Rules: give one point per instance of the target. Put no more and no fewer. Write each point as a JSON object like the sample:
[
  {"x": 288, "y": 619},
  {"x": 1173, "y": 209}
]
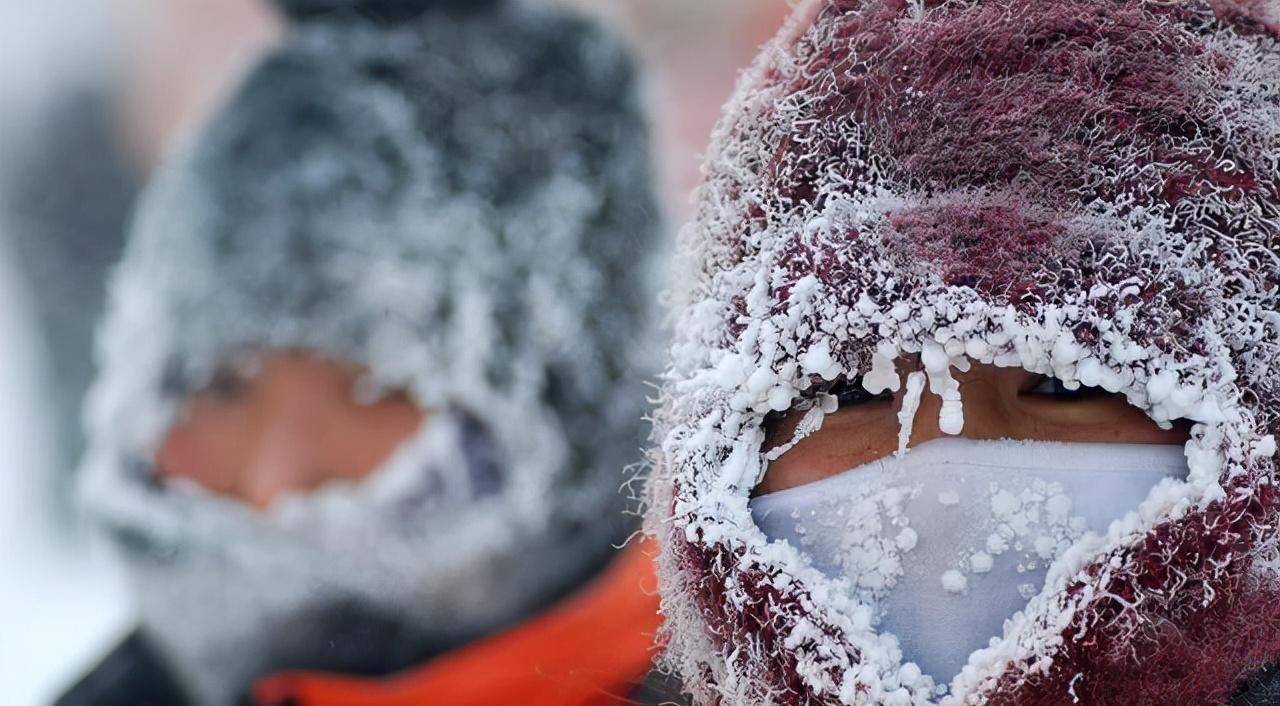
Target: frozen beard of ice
[{"x": 951, "y": 539}]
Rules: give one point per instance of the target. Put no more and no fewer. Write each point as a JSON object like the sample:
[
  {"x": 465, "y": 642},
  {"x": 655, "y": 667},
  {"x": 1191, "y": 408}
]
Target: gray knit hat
[{"x": 456, "y": 195}]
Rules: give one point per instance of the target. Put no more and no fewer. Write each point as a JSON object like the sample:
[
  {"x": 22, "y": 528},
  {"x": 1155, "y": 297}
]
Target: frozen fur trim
[{"x": 1087, "y": 189}]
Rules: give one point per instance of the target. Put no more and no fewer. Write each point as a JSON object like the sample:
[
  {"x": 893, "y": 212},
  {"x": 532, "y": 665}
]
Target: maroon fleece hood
[{"x": 1088, "y": 189}]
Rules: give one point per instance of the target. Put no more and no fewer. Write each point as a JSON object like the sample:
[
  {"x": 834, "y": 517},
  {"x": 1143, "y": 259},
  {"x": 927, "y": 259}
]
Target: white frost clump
[
  {"x": 907, "y": 539},
  {"x": 883, "y": 376},
  {"x": 1035, "y": 521},
  {"x": 867, "y": 534},
  {"x": 954, "y": 581}
]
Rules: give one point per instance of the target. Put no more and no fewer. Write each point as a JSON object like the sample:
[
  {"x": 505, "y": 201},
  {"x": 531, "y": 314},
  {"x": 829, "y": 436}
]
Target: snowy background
[
  {"x": 165, "y": 63},
  {"x": 60, "y": 602}
]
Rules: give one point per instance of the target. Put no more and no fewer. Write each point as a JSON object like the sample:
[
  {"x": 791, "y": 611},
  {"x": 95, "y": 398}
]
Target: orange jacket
[{"x": 591, "y": 649}]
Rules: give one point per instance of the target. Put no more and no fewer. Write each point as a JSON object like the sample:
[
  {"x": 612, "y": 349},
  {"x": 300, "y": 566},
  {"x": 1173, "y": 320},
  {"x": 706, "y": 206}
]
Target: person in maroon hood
[{"x": 975, "y": 384}]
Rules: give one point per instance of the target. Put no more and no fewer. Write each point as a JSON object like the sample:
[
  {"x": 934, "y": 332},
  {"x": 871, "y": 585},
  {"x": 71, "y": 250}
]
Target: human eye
[
  {"x": 848, "y": 394},
  {"x": 1049, "y": 386},
  {"x": 851, "y": 393},
  {"x": 227, "y": 383}
]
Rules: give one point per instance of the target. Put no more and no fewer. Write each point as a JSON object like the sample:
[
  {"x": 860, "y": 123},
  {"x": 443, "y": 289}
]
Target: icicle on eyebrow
[
  {"x": 810, "y": 423},
  {"x": 907, "y": 415},
  {"x": 883, "y": 376},
  {"x": 937, "y": 365}
]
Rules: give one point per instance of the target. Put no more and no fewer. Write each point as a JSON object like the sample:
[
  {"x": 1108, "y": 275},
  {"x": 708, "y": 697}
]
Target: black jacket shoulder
[
  {"x": 1261, "y": 689},
  {"x": 132, "y": 674},
  {"x": 659, "y": 689}
]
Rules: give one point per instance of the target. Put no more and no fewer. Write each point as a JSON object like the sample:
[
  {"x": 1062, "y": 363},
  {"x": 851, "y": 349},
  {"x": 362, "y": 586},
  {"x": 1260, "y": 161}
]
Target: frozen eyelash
[
  {"x": 1054, "y": 387},
  {"x": 850, "y": 393}
]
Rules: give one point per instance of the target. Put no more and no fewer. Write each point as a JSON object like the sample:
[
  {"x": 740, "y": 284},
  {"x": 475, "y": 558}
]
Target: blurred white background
[{"x": 59, "y": 603}]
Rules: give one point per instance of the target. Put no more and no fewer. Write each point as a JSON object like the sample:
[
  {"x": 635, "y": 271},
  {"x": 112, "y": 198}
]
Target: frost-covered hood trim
[{"x": 866, "y": 197}]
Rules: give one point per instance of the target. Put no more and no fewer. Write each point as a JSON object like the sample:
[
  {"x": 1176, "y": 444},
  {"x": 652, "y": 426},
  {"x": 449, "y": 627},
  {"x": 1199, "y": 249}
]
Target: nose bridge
[
  {"x": 989, "y": 395},
  {"x": 282, "y": 457}
]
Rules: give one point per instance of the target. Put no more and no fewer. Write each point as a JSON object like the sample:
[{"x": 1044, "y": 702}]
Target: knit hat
[
  {"x": 1088, "y": 189},
  {"x": 455, "y": 196}
]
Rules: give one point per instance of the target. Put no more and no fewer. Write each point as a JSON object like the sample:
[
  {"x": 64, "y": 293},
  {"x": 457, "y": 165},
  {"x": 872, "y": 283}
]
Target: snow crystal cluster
[
  {"x": 871, "y": 195},
  {"x": 946, "y": 543},
  {"x": 873, "y": 531},
  {"x": 872, "y": 535}
]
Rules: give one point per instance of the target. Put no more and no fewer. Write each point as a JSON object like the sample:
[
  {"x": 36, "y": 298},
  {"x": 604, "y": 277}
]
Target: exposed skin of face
[
  {"x": 999, "y": 403},
  {"x": 291, "y": 425}
]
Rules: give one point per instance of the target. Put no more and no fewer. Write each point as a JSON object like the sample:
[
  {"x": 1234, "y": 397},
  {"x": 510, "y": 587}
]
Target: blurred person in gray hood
[{"x": 372, "y": 363}]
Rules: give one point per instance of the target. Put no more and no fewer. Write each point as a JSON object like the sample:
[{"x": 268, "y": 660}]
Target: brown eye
[
  {"x": 1049, "y": 386},
  {"x": 227, "y": 384},
  {"x": 852, "y": 393}
]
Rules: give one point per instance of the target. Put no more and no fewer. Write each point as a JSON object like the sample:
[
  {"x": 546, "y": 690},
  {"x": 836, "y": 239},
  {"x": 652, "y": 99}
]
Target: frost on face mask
[
  {"x": 457, "y": 199},
  {"x": 951, "y": 540},
  {"x": 873, "y": 193}
]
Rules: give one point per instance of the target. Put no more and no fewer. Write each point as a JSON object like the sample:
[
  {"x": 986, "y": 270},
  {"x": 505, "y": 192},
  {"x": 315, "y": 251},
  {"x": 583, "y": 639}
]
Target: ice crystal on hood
[{"x": 954, "y": 581}]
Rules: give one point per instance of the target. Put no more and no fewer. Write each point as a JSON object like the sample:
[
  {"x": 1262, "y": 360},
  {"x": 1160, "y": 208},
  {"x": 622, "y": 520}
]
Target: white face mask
[{"x": 952, "y": 539}]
